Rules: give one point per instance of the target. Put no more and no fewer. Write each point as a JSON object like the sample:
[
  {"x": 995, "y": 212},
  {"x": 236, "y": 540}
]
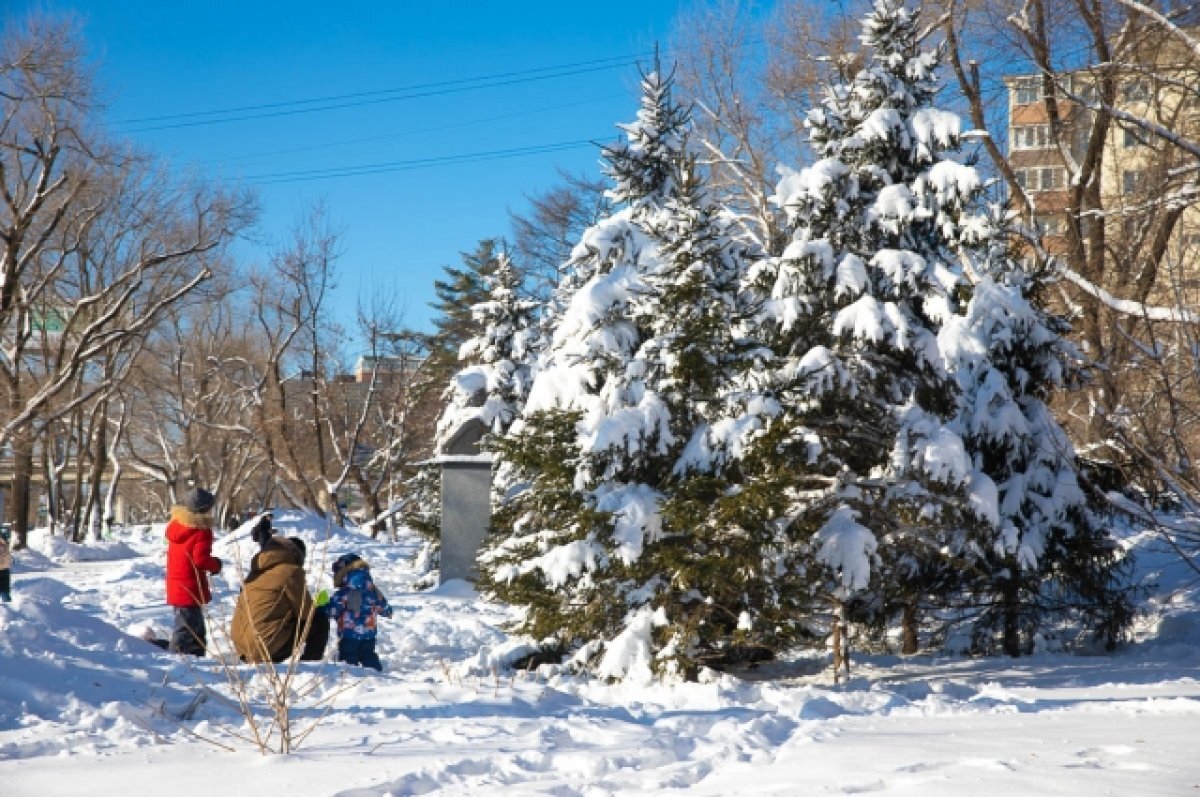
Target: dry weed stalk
[{"x": 283, "y": 689}]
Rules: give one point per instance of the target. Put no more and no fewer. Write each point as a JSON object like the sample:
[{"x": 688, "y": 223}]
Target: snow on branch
[
  {"x": 1127, "y": 306},
  {"x": 1141, "y": 8}
]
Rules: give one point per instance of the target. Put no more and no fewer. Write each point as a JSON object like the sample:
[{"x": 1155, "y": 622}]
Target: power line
[
  {"x": 354, "y": 95},
  {"x": 358, "y": 99},
  {"x": 417, "y": 163},
  {"x": 414, "y": 131}
]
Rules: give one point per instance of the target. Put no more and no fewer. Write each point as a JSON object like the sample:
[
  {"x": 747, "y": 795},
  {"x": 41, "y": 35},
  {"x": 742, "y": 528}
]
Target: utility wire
[
  {"x": 414, "y": 131},
  {"x": 270, "y": 110},
  {"x": 417, "y": 163},
  {"x": 355, "y": 95}
]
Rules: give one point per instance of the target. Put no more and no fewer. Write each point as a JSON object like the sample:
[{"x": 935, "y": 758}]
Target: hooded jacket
[
  {"x": 358, "y": 603},
  {"x": 189, "y": 558},
  {"x": 274, "y": 606}
]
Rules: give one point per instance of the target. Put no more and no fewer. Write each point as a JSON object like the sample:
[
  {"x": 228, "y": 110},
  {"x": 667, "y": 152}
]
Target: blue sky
[{"x": 162, "y": 65}]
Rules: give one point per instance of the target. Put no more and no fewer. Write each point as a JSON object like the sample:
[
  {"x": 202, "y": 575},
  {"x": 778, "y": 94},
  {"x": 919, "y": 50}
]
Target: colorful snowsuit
[{"x": 355, "y": 607}]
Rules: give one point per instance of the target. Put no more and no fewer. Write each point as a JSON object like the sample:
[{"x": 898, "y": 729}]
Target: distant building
[
  {"x": 1160, "y": 85},
  {"x": 388, "y": 368},
  {"x": 1132, "y": 230}
]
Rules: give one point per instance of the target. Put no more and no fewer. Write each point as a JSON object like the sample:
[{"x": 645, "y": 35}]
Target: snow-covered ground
[{"x": 87, "y": 707}]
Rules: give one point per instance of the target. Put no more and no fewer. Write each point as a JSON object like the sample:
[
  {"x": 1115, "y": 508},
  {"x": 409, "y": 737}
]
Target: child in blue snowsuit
[{"x": 354, "y": 608}]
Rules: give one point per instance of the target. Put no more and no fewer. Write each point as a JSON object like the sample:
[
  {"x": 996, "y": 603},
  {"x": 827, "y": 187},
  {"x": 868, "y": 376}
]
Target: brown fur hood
[
  {"x": 274, "y": 607},
  {"x": 339, "y": 577},
  {"x": 277, "y": 551},
  {"x": 195, "y": 520}
]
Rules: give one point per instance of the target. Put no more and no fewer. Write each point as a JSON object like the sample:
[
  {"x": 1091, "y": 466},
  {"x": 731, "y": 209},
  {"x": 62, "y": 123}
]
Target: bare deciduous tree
[
  {"x": 1116, "y": 82},
  {"x": 545, "y": 234},
  {"x": 95, "y": 243},
  {"x": 190, "y": 420},
  {"x": 291, "y": 305},
  {"x": 752, "y": 81}
]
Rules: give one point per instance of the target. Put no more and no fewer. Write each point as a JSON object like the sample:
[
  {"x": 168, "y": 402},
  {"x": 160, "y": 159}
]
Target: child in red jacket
[
  {"x": 189, "y": 562},
  {"x": 5, "y": 565}
]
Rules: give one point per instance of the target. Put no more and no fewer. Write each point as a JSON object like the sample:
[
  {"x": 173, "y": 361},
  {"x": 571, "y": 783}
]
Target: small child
[
  {"x": 354, "y": 607},
  {"x": 5, "y": 567},
  {"x": 189, "y": 563}
]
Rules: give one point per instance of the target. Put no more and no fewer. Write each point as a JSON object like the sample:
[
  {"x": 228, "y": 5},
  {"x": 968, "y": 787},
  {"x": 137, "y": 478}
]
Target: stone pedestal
[
  {"x": 466, "y": 502},
  {"x": 466, "y": 513}
]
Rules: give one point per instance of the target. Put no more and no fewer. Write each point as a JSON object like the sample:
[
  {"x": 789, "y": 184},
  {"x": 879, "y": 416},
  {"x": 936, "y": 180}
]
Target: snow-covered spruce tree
[
  {"x": 492, "y": 384},
  {"x": 457, "y": 294},
  {"x": 1051, "y": 563},
  {"x": 424, "y": 515},
  {"x": 878, "y": 481},
  {"x": 490, "y": 387},
  {"x": 708, "y": 567},
  {"x": 458, "y": 291},
  {"x": 614, "y": 546}
]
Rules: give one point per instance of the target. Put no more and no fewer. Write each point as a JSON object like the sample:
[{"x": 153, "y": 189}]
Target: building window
[
  {"x": 1051, "y": 178},
  {"x": 1042, "y": 178},
  {"x": 1133, "y": 138},
  {"x": 1135, "y": 91},
  {"x": 1132, "y": 181},
  {"x": 1052, "y": 225},
  {"x": 1028, "y": 91},
  {"x": 1031, "y": 137}
]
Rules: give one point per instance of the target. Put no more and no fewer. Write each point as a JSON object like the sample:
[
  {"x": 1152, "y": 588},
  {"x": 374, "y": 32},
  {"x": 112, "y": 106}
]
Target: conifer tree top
[
  {"x": 637, "y": 165},
  {"x": 899, "y": 81}
]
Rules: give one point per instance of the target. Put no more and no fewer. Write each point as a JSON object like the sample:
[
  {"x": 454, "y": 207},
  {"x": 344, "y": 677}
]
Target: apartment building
[
  {"x": 1116, "y": 197},
  {"x": 1142, "y": 186}
]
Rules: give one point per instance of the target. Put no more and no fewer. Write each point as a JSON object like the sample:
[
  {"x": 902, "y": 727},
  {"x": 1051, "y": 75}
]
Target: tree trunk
[
  {"x": 327, "y": 505},
  {"x": 96, "y": 476},
  {"x": 18, "y": 505},
  {"x": 110, "y": 499},
  {"x": 909, "y": 625},
  {"x": 75, "y": 530},
  {"x": 51, "y": 485},
  {"x": 841, "y": 644},
  {"x": 1012, "y": 627},
  {"x": 374, "y": 510}
]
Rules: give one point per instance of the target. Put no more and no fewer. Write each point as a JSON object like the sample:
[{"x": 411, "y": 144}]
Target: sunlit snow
[{"x": 88, "y": 707}]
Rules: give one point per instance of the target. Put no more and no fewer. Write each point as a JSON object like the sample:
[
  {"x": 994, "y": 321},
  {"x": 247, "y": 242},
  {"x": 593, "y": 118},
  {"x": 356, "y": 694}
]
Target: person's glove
[
  {"x": 261, "y": 533},
  {"x": 322, "y": 598}
]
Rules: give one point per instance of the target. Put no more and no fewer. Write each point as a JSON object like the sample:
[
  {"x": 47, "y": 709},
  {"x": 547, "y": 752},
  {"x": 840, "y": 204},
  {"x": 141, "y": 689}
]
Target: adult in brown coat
[{"x": 275, "y": 613}]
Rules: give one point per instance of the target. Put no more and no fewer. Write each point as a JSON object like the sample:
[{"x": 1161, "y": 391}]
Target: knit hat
[{"x": 198, "y": 500}]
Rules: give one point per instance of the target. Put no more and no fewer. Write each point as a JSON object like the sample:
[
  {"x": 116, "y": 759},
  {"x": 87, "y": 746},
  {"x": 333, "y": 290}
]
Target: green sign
[{"x": 50, "y": 320}]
